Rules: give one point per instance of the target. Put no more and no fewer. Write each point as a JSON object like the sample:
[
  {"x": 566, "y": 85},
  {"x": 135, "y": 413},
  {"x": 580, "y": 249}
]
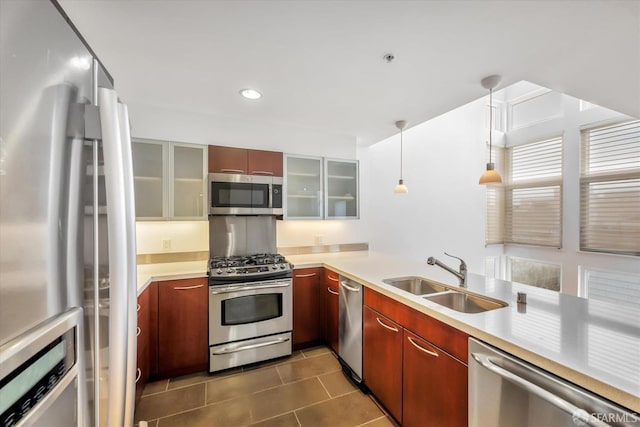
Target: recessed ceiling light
[{"x": 250, "y": 94}]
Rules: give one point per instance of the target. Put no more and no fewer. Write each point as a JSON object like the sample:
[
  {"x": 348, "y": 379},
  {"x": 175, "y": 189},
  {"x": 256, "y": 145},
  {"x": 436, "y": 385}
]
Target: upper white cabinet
[
  {"x": 170, "y": 180},
  {"x": 319, "y": 188},
  {"x": 341, "y": 184}
]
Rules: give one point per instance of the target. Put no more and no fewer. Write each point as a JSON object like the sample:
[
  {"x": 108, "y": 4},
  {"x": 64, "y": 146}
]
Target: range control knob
[
  {"x": 282, "y": 266},
  {"x": 229, "y": 270},
  {"x": 219, "y": 271}
]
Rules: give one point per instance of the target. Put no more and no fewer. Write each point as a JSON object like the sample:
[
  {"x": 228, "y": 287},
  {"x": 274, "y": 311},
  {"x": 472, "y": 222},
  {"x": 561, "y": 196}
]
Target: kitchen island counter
[{"x": 593, "y": 344}]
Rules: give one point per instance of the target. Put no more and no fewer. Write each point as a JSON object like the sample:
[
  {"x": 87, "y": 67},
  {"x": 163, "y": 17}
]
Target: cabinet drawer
[
  {"x": 331, "y": 279},
  {"x": 446, "y": 337}
]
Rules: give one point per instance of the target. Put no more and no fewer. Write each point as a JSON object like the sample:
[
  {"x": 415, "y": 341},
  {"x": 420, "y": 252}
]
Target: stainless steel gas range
[{"x": 250, "y": 309}]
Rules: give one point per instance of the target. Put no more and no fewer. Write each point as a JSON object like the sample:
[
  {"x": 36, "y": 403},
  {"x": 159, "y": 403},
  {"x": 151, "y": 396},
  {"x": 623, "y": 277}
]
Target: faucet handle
[{"x": 462, "y": 263}]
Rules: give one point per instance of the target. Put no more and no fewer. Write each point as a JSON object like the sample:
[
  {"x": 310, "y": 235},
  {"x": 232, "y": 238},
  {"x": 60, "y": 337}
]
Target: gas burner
[{"x": 248, "y": 267}]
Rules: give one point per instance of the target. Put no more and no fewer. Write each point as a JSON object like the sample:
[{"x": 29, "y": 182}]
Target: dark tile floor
[{"x": 306, "y": 389}]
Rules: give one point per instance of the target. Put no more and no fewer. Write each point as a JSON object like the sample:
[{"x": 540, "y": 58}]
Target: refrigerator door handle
[{"x": 118, "y": 175}]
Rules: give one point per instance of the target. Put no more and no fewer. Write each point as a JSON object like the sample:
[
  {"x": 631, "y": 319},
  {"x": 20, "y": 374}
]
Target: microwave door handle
[
  {"x": 553, "y": 399},
  {"x": 231, "y": 289}
]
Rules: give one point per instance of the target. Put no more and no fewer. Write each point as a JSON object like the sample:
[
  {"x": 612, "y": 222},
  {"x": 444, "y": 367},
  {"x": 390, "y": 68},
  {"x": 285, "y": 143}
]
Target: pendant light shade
[
  {"x": 490, "y": 176},
  {"x": 401, "y": 188}
]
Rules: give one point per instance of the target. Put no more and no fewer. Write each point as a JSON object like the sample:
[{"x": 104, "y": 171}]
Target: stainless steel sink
[
  {"x": 465, "y": 303},
  {"x": 416, "y": 285}
]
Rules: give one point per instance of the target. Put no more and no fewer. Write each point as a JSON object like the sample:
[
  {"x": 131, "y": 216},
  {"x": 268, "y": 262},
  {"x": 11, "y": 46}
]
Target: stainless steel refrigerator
[{"x": 67, "y": 228}]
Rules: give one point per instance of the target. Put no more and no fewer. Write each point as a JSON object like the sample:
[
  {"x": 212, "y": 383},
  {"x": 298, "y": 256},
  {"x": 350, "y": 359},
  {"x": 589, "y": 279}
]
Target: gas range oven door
[{"x": 249, "y": 310}]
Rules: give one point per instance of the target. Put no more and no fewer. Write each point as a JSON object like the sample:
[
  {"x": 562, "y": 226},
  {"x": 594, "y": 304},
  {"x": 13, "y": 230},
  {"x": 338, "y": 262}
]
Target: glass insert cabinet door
[
  {"x": 341, "y": 188},
  {"x": 189, "y": 183},
  {"x": 149, "y": 170},
  {"x": 303, "y": 186}
]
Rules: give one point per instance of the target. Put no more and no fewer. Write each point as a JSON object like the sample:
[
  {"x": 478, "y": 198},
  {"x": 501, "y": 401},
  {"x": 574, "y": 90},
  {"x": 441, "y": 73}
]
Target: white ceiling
[{"x": 320, "y": 67}]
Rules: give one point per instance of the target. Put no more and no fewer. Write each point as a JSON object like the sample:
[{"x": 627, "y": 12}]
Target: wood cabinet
[
  {"x": 433, "y": 370},
  {"x": 306, "y": 307},
  {"x": 146, "y": 331},
  {"x": 331, "y": 307},
  {"x": 434, "y": 385},
  {"x": 169, "y": 180},
  {"x": 243, "y": 161},
  {"x": 182, "y": 327},
  {"x": 382, "y": 360}
]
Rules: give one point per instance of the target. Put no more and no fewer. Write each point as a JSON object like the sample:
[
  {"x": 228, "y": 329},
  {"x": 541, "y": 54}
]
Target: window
[
  {"x": 610, "y": 189},
  {"x": 622, "y": 289},
  {"x": 527, "y": 209},
  {"x": 535, "y": 273}
]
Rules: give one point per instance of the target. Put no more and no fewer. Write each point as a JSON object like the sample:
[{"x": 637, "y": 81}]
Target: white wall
[{"x": 445, "y": 207}]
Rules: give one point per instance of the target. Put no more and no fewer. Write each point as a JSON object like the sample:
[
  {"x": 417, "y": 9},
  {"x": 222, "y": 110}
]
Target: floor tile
[
  {"x": 351, "y": 409},
  {"x": 315, "y": 351},
  {"x": 170, "y": 402},
  {"x": 200, "y": 377},
  {"x": 285, "y": 398},
  {"x": 337, "y": 383},
  {"x": 229, "y": 413},
  {"x": 380, "y": 422},
  {"x": 286, "y": 420},
  {"x": 155, "y": 387},
  {"x": 296, "y": 355},
  {"x": 307, "y": 368},
  {"x": 238, "y": 385}
]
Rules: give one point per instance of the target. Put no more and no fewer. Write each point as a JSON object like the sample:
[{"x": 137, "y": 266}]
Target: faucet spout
[{"x": 461, "y": 275}]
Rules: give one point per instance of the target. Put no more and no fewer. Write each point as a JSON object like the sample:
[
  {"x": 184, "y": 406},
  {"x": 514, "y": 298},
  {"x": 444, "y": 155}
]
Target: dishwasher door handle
[
  {"x": 555, "y": 400},
  {"x": 348, "y": 287}
]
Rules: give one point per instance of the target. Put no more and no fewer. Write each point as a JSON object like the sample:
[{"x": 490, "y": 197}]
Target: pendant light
[
  {"x": 401, "y": 188},
  {"x": 490, "y": 176}
]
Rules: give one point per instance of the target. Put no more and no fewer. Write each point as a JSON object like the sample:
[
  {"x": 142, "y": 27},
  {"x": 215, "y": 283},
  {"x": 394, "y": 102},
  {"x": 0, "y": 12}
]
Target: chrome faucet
[{"x": 462, "y": 275}]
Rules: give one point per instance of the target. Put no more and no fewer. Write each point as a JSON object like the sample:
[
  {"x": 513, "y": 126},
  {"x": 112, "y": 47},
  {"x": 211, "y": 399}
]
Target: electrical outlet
[{"x": 166, "y": 244}]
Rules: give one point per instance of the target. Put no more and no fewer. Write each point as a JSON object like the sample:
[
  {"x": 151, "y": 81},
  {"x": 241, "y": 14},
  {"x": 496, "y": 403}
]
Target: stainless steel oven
[
  {"x": 233, "y": 194},
  {"x": 250, "y": 310}
]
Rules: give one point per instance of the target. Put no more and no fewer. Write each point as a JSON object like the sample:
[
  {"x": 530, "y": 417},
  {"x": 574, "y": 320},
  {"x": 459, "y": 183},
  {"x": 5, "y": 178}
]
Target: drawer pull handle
[
  {"x": 186, "y": 288},
  {"x": 387, "y": 326},
  {"x": 138, "y": 307},
  {"x": 232, "y": 170},
  {"x": 138, "y": 374},
  {"x": 138, "y": 331},
  {"x": 261, "y": 173},
  {"x": 335, "y": 279},
  {"x": 432, "y": 353},
  {"x": 331, "y": 291},
  {"x": 306, "y": 275}
]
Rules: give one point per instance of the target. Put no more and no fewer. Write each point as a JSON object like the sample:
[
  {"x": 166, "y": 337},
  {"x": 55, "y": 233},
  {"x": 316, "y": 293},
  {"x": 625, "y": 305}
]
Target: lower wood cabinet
[
  {"x": 307, "y": 320},
  {"x": 331, "y": 307},
  {"x": 146, "y": 332},
  {"x": 382, "y": 360},
  {"x": 434, "y": 385},
  {"x": 182, "y": 327}
]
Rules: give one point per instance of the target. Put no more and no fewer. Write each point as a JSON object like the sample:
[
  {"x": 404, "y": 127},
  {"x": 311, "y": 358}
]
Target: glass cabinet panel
[
  {"x": 189, "y": 183},
  {"x": 341, "y": 186},
  {"x": 303, "y": 183},
  {"x": 148, "y": 178}
]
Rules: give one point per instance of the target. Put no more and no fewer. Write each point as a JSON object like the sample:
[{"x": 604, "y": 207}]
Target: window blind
[
  {"x": 533, "y": 194},
  {"x": 610, "y": 189},
  {"x": 494, "y": 232}
]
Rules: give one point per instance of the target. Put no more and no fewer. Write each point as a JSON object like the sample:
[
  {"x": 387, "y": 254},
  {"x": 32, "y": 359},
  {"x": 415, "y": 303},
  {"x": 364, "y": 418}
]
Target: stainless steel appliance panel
[
  {"x": 240, "y": 353},
  {"x": 234, "y": 194},
  {"x": 350, "y": 325},
  {"x": 231, "y": 235},
  {"x": 505, "y": 391},
  {"x": 248, "y": 319}
]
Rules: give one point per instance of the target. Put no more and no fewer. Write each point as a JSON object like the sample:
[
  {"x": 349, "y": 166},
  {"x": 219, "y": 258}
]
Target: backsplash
[{"x": 154, "y": 237}]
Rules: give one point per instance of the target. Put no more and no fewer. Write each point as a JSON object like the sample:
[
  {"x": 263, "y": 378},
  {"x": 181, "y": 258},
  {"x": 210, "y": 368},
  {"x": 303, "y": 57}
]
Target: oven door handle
[
  {"x": 231, "y": 349},
  {"x": 231, "y": 289}
]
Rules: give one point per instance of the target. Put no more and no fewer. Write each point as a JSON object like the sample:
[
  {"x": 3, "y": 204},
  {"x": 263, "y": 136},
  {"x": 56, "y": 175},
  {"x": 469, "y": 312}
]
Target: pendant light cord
[
  {"x": 490, "y": 120},
  {"x": 400, "y": 153}
]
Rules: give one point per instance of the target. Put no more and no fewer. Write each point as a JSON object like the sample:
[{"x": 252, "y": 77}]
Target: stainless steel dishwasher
[
  {"x": 350, "y": 328},
  {"x": 505, "y": 391}
]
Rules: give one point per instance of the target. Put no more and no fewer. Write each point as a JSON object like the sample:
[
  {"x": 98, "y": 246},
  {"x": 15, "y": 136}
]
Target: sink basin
[
  {"x": 465, "y": 303},
  {"x": 416, "y": 285}
]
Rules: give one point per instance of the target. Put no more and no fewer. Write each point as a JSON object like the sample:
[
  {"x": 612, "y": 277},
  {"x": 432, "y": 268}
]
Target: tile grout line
[
  {"x": 297, "y": 419},
  {"x": 324, "y": 387},
  {"x": 370, "y": 421}
]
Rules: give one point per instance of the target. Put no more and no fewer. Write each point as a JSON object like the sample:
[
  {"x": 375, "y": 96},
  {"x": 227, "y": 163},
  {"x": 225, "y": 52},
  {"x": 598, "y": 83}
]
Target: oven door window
[
  {"x": 231, "y": 195},
  {"x": 260, "y": 195},
  {"x": 251, "y": 309}
]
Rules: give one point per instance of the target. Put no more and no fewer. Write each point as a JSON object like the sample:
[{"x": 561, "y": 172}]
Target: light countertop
[{"x": 590, "y": 343}]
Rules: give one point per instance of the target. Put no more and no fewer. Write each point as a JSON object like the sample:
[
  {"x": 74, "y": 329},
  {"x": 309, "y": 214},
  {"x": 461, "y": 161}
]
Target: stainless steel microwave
[{"x": 233, "y": 194}]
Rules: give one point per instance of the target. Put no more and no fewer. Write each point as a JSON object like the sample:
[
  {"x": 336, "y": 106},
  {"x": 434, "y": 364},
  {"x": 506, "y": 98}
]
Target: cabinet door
[
  {"x": 142, "y": 333},
  {"x": 382, "y": 360},
  {"x": 341, "y": 188},
  {"x": 303, "y": 187},
  {"x": 150, "y": 163},
  {"x": 267, "y": 163},
  {"x": 182, "y": 326},
  {"x": 434, "y": 385},
  {"x": 306, "y": 307},
  {"x": 227, "y": 160},
  {"x": 189, "y": 183},
  {"x": 331, "y": 304}
]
